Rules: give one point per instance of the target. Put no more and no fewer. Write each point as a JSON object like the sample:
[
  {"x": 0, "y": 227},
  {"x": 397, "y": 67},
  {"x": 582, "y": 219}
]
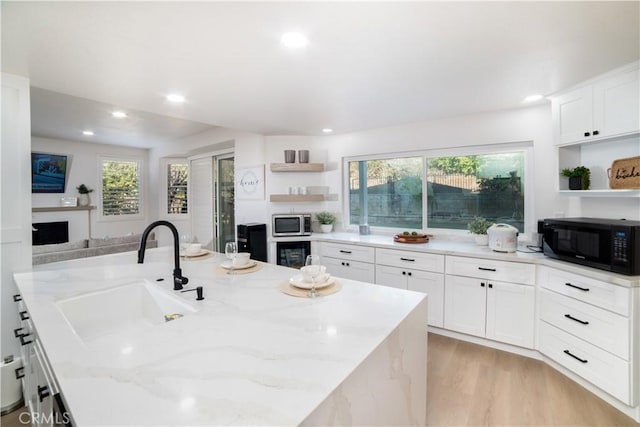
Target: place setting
[
  {"x": 313, "y": 281},
  {"x": 189, "y": 250},
  {"x": 237, "y": 262}
]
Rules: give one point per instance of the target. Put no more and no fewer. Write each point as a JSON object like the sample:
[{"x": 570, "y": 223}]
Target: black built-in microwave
[{"x": 606, "y": 244}]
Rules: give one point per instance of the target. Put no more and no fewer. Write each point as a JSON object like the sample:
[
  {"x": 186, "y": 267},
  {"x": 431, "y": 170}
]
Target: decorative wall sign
[{"x": 250, "y": 183}]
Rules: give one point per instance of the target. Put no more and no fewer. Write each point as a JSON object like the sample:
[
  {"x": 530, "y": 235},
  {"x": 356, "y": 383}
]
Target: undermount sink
[{"x": 129, "y": 308}]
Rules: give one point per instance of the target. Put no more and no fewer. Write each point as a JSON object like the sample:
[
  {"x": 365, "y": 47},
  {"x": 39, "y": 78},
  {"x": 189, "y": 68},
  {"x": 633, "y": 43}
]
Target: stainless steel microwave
[
  {"x": 291, "y": 225},
  {"x": 606, "y": 244}
]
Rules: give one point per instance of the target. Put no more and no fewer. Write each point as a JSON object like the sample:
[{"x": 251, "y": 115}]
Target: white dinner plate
[
  {"x": 298, "y": 282},
  {"x": 227, "y": 265},
  {"x": 196, "y": 254}
]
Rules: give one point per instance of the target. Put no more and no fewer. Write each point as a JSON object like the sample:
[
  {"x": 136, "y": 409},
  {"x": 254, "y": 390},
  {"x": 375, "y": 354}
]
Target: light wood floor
[{"x": 472, "y": 385}]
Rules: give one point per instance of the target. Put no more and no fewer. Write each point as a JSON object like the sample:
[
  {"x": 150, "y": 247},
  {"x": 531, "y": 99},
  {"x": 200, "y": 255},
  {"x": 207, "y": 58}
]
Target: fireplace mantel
[{"x": 63, "y": 208}]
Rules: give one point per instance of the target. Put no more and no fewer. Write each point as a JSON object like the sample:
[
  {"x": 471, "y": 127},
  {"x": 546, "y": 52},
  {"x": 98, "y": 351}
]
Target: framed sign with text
[{"x": 250, "y": 183}]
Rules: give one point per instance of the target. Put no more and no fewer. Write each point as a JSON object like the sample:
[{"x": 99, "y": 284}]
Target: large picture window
[
  {"x": 439, "y": 189},
  {"x": 121, "y": 188}
]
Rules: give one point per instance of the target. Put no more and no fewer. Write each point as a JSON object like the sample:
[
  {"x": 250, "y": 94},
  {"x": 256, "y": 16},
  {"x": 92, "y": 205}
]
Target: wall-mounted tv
[{"x": 49, "y": 172}]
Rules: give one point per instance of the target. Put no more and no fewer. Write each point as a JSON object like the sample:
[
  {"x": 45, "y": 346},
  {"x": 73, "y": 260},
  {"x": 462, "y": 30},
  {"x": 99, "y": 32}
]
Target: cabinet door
[
  {"x": 348, "y": 269},
  {"x": 465, "y": 301},
  {"x": 572, "y": 115},
  {"x": 433, "y": 285},
  {"x": 616, "y": 105},
  {"x": 391, "y": 276},
  {"x": 510, "y": 313}
]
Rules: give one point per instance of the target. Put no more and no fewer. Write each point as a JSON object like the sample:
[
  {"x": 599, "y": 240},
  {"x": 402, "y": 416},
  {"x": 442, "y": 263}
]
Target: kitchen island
[{"x": 247, "y": 354}]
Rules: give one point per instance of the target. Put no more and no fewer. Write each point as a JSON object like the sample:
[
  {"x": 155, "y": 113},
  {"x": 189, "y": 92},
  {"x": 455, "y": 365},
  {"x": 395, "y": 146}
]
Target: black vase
[{"x": 575, "y": 183}]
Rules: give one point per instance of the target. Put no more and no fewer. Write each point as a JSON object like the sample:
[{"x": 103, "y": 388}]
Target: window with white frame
[
  {"x": 121, "y": 189},
  {"x": 440, "y": 189},
  {"x": 177, "y": 186}
]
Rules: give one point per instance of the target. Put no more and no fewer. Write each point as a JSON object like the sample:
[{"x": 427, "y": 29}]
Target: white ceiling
[{"x": 367, "y": 65}]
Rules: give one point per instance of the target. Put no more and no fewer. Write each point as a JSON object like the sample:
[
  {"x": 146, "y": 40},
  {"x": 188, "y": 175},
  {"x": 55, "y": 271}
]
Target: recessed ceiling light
[
  {"x": 327, "y": 130},
  {"x": 293, "y": 39},
  {"x": 175, "y": 97},
  {"x": 533, "y": 98},
  {"x": 119, "y": 114},
  {"x": 88, "y": 132}
]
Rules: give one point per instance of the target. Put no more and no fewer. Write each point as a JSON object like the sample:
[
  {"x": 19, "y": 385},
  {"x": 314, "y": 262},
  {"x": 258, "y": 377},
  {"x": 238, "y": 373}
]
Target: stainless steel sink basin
[{"x": 123, "y": 309}]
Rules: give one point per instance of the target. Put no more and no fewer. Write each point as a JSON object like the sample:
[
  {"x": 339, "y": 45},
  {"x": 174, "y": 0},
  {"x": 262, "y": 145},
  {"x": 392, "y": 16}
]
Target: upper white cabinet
[{"x": 606, "y": 108}]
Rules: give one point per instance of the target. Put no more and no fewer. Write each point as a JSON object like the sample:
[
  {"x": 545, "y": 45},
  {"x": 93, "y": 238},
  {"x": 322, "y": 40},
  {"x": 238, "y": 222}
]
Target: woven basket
[{"x": 625, "y": 173}]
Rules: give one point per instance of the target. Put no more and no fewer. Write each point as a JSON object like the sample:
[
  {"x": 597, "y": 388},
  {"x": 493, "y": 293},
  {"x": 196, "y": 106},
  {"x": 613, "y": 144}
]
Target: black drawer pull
[
  {"x": 576, "y": 287},
  {"x": 43, "y": 392},
  {"x": 344, "y": 252},
  {"x": 595, "y": 132},
  {"x": 17, "y": 333},
  {"x": 568, "y": 316},
  {"x": 491, "y": 285},
  {"x": 486, "y": 269},
  {"x": 17, "y": 298},
  {"x": 482, "y": 284},
  {"x": 24, "y": 315},
  {"x": 19, "y": 372},
  {"x": 409, "y": 273},
  {"x": 575, "y": 357},
  {"x": 404, "y": 272},
  {"x": 587, "y": 134},
  {"x": 23, "y": 339},
  {"x": 408, "y": 259}
]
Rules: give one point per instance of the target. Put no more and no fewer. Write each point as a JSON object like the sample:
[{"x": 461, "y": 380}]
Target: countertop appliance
[
  {"x": 606, "y": 244},
  {"x": 252, "y": 238},
  {"x": 503, "y": 238},
  {"x": 283, "y": 225}
]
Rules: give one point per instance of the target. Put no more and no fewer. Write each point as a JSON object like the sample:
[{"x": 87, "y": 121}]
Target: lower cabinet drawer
[
  {"x": 602, "y": 369},
  {"x": 414, "y": 260},
  {"x": 348, "y": 252},
  {"x": 602, "y": 328}
]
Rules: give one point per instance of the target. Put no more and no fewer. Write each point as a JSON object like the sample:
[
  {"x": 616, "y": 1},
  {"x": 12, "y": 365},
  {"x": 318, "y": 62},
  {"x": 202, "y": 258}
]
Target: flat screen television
[{"x": 49, "y": 172}]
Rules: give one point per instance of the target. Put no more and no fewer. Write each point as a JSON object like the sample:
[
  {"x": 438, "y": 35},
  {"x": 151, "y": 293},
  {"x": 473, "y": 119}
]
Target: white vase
[
  {"x": 326, "y": 228},
  {"x": 482, "y": 239},
  {"x": 84, "y": 200}
]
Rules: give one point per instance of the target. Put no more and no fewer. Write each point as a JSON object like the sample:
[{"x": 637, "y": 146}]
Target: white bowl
[
  {"x": 309, "y": 271},
  {"x": 194, "y": 248},
  {"x": 241, "y": 258}
]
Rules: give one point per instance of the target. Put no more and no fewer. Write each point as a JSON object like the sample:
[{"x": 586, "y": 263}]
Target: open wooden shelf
[
  {"x": 601, "y": 193},
  {"x": 297, "y": 167},
  {"x": 63, "y": 208},
  {"x": 296, "y": 198}
]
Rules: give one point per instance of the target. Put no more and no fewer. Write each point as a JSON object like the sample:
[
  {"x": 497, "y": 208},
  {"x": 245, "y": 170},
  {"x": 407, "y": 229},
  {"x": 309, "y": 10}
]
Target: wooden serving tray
[
  {"x": 420, "y": 238},
  {"x": 625, "y": 173}
]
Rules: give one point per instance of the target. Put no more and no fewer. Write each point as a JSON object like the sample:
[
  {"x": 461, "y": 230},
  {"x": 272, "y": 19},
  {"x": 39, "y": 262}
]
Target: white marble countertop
[
  {"x": 251, "y": 355},
  {"x": 462, "y": 247}
]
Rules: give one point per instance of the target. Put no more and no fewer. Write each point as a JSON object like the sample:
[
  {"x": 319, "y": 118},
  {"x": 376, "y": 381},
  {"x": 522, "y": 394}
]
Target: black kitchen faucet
[{"x": 178, "y": 278}]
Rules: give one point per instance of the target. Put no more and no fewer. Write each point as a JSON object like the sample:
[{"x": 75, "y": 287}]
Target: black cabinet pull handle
[
  {"x": 17, "y": 333},
  {"x": 482, "y": 284},
  {"x": 43, "y": 392},
  {"x": 584, "y": 322},
  {"x": 595, "y": 132},
  {"x": 407, "y": 259},
  {"x": 344, "y": 252},
  {"x": 342, "y": 263},
  {"x": 348, "y": 264},
  {"x": 576, "y": 287},
  {"x": 491, "y": 285},
  {"x": 587, "y": 134},
  {"x": 409, "y": 273},
  {"x": 404, "y": 272},
  {"x": 575, "y": 357},
  {"x": 24, "y": 315},
  {"x": 23, "y": 339},
  {"x": 19, "y": 372},
  {"x": 17, "y": 298},
  {"x": 486, "y": 269}
]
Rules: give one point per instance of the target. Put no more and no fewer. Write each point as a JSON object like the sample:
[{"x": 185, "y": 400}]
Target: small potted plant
[
  {"x": 326, "y": 220},
  {"x": 579, "y": 178},
  {"x": 479, "y": 226},
  {"x": 84, "y": 199}
]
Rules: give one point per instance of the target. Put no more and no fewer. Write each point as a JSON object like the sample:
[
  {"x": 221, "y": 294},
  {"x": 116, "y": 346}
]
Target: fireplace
[{"x": 45, "y": 233}]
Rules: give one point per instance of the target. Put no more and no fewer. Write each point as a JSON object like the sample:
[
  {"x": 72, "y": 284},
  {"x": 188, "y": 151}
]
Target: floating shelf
[
  {"x": 601, "y": 193},
  {"x": 297, "y": 167},
  {"x": 63, "y": 208},
  {"x": 297, "y": 198}
]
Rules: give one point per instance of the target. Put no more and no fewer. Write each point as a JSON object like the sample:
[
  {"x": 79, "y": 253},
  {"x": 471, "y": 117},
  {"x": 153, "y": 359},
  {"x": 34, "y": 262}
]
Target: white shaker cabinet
[
  {"x": 490, "y": 299},
  {"x": 349, "y": 261},
  {"x": 605, "y": 108},
  {"x": 415, "y": 271}
]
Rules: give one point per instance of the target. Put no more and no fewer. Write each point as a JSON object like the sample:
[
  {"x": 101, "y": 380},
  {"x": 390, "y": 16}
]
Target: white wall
[{"x": 84, "y": 170}]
